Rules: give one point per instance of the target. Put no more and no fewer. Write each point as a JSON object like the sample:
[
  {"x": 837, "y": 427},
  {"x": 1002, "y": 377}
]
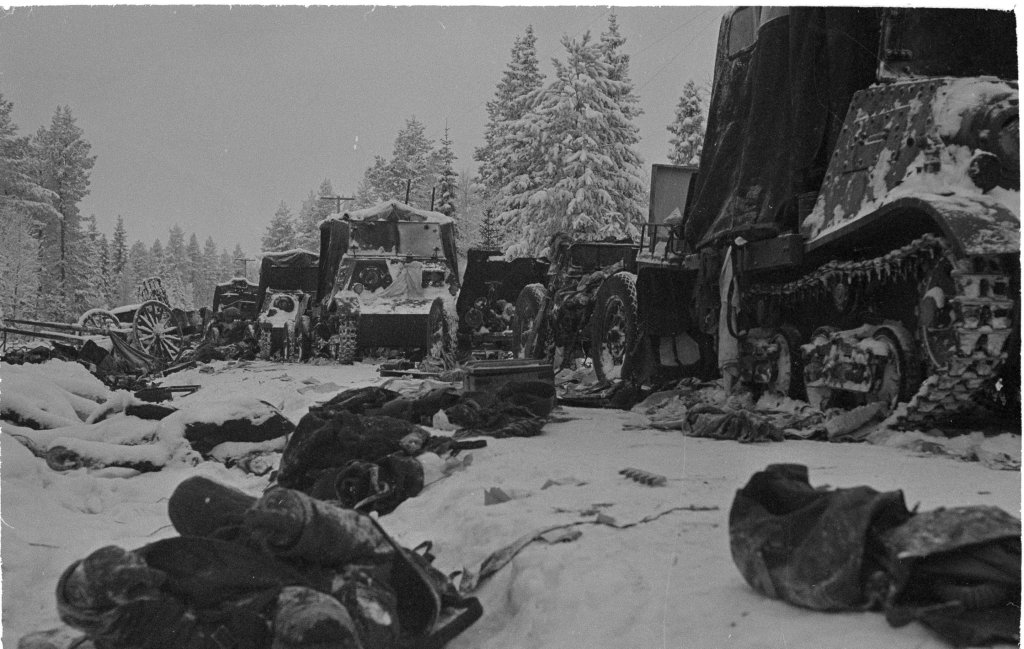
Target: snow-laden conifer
[
  {"x": 280, "y": 233},
  {"x": 20, "y": 192},
  {"x": 408, "y": 176},
  {"x": 521, "y": 77},
  {"x": 20, "y": 270},
  {"x": 583, "y": 175},
  {"x": 447, "y": 183},
  {"x": 687, "y": 129}
]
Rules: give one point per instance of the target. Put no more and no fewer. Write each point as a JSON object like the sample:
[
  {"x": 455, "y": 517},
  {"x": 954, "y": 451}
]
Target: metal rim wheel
[
  {"x": 789, "y": 372},
  {"x": 614, "y": 325},
  {"x": 935, "y": 315},
  {"x": 819, "y": 397},
  {"x": 100, "y": 319},
  {"x": 528, "y": 306},
  {"x": 901, "y": 376},
  {"x": 156, "y": 331}
]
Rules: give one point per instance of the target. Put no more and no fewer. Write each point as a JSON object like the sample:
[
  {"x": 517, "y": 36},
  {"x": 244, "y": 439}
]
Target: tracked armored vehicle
[
  {"x": 852, "y": 234},
  {"x": 387, "y": 279}
]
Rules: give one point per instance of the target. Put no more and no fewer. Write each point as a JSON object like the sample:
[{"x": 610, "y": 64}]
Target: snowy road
[{"x": 666, "y": 583}]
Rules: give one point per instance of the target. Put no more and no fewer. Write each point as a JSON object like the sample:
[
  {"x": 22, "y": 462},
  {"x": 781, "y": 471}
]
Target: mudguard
[{"x": 973, "y": 225}]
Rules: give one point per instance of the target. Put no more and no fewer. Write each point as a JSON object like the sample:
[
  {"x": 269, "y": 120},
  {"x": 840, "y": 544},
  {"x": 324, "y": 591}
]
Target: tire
[
  {"x": 528, "y": 306},
  {"x": 789, "y": 376},
  {"x": 613, "y": 326}
]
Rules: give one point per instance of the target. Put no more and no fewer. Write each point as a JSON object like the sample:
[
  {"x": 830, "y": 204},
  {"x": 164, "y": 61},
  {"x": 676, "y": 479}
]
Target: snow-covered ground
[{"x": 668, "y": 582}]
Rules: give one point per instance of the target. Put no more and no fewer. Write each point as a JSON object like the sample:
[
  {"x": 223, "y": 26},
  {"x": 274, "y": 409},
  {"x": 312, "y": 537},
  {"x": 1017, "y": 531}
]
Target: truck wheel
[
  {"x": 528, "y": 305},
  {"x": 613, "y": 325}
]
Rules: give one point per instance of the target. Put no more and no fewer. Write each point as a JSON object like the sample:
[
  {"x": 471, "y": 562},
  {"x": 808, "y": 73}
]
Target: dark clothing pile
[
  {"x": 281, "y": 572},
  {"x": 515, "y": 409},
  {"x": 360, "y": 448},
  {"x": 955, "y": 570}
]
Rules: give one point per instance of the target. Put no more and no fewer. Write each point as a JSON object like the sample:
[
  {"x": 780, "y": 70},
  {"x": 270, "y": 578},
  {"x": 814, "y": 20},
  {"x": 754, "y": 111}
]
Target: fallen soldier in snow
[
  {"x": 516, "y": 409},
  {"x": 370, "y": 462},
  {"x": 68, "y": 417},
  {"x": 285, "y": 571},
  {"x": 955, "y": 570}
]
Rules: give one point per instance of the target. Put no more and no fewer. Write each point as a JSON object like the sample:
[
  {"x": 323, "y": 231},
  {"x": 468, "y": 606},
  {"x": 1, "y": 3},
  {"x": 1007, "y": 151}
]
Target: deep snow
[{"x": 669, "y": 582}]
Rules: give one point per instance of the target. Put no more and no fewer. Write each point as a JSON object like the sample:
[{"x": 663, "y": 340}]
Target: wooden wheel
[
  {"x": 157, "y": 332},
  {"x": 100, "y": 319}
]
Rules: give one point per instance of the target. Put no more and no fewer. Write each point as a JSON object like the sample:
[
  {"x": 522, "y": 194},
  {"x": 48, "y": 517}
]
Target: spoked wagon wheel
[
  {"x": 99, "y": 319},
  {"x": 157, "y": 332}
]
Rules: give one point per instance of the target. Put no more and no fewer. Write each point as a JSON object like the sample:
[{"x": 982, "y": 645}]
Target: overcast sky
[{"x": 210, "y": 116}]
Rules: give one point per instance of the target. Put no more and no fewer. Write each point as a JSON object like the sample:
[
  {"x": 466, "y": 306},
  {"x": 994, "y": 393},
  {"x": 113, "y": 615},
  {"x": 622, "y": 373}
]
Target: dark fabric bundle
[
  {"x": 325, "y": 443},
  {"x": 955, "y": 570}
]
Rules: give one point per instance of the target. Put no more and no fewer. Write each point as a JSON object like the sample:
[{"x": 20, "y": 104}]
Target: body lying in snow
[{"x": 280, "y": 572}]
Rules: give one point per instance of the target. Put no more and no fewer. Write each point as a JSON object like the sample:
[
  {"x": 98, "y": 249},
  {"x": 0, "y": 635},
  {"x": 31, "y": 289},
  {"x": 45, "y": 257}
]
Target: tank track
[{"x": 980, "y": 337}]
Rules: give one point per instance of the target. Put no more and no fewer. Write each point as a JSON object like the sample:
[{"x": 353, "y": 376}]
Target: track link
[{"x": 981, "y": 315}]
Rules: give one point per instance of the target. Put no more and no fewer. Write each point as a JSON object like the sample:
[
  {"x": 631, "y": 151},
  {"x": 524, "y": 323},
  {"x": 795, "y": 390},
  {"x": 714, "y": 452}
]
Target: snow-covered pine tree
[
  {"x": 20, "y": 193},
  {"x": 195, "y": 277},
  {"x": 522, "y": 76},
  {"x": 630, "y": 197},
  {"x": 62, "y": 166},
  {"x": 589, "y": 173},
  {"x": 490, "y": 231},
  {"x": 687, "y": 130},
  {"x": 469, "y": 205},
  {"x": 227, "y": 269},
  {"x": 373, "y": 183},
  {"x": 447, "y": 184},
  {"x": 157, "y": 260},
  {"x": 211, "y": 276},
  {"x": 176, "y": 258},
  {"x": 20, "y": 269},
  {"x": 94, "y": 288},
  {"x": 280, "y": 234},
  {"x": 118, "y": 247},
  {"x": 311, "y": 212},
  {"x": 137, "y": 268},
  {"x": 414, "y": 165}
]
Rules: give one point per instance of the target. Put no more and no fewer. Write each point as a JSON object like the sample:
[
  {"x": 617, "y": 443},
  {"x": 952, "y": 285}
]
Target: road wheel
[
  {"x": 528, "y": 306},
  {"x": 788, "y": 376},
  {"x": 902, "y": 375},
  {"x": 613, "y": 325}
]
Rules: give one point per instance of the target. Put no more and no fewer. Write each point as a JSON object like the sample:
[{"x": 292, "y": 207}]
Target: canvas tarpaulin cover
[
  {"x": 783, "y": 81},
  {"x": 291, "y": 270}
]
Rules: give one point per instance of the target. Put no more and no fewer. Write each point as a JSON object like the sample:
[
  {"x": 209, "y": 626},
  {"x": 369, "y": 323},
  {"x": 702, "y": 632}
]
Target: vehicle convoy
[
  {"x": 387, "y": 278},
  {"x": 852, "y": 234},
  {"x": 584, "y": 308}
]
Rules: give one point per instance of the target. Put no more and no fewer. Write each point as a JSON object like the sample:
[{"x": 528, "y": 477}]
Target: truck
[{"x": 852, "y": 233}]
